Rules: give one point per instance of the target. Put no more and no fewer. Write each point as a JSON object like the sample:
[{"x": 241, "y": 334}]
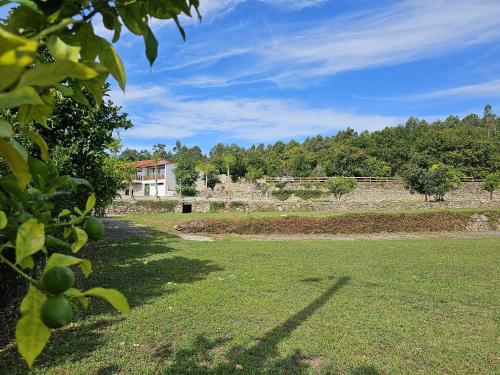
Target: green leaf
[
  {"x": 16, "y": 53},
  {"x": 3, "y": 220},
  {"x": 31, "y": 334},
  {"x": 75, "y": 293},
  {"x": 38, "y": 139},
  {"x": 38, "y": 113},
  {"x": 90, "y": 203},
  {"x": 62, "y": 51},
  {"x": 16, "y": 162},
  {"x": 61, "y": 260},
  {"x": 64, "y": 212},
  {"x": 151, "y": 46},
  {"x": 48, "y": 74},
  {"x": 81, "y": 182},
  {"x": 111, "y": 60},
  {"x": 20, "y": 96},
  {"x": 5, "y": 129},
  {"x": 30, "y": 238},
  {"x": 114, "y": 297},
  {"x": 80, "y": 237}
]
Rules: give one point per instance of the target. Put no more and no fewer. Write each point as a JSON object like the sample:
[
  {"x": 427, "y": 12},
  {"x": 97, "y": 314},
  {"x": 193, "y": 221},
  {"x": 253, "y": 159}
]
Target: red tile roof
[{"x": 149, "y": 163}]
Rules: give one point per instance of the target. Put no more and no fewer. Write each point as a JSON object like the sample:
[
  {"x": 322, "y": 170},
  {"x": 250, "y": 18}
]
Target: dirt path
[{"x": 374, "y": 236}]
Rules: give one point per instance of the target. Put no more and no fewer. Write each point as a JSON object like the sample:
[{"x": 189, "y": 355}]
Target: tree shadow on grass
[
  {"x": 141, "y": 267},
  {"x": 261, "y": 358}
]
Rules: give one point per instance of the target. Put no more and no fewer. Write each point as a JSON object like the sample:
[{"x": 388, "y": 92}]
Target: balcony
[{"x": 139, "y": 177}]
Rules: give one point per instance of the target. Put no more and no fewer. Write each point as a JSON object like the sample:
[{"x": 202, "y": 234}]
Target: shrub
[
  {"x": 217, "y": 206},
  {"x": 340, "y": 186},
  {"x": 158, "y": 205},
  {"x": 491, "y": 183},
  {"x": 188, "y": 191},
  {"x": 283, "y": 195},
  {"x": 238, "y": 204}
]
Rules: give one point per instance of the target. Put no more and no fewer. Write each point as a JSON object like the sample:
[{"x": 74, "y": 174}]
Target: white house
[{"x": 144, "y": 180}]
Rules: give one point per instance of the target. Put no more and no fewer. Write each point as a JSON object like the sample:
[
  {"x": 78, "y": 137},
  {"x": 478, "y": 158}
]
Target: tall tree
[{"x": 205, "y": 167}]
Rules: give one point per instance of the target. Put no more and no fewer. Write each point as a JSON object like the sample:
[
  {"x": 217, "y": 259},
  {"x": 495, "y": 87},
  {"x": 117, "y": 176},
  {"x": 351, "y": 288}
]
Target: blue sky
[{"x": 263, "y": 70}]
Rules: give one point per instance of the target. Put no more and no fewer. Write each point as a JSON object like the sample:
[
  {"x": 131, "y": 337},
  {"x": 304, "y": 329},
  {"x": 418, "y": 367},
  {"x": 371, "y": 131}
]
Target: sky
[{"x": 258, "y": 71}]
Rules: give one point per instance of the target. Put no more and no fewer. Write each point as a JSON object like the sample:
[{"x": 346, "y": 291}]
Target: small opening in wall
[{"x": 187, "y": 208}]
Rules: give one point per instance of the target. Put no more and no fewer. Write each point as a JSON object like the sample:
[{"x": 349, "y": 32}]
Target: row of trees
[
  {"x": 431, "y": 157},
  {"x": 471, "y": 145}
]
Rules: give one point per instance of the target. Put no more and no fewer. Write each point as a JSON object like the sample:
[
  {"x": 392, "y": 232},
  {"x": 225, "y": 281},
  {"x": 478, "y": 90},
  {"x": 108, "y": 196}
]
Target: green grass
[{"x": 286, "y": 307}]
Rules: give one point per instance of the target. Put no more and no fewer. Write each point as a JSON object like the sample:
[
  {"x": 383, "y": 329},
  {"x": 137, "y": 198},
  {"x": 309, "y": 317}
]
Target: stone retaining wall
[{"x": 366, "y": 197}]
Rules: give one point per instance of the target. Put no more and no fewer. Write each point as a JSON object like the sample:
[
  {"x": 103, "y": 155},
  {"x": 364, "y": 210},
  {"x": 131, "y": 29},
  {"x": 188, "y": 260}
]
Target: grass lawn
[{"x": 286, "y": 307}]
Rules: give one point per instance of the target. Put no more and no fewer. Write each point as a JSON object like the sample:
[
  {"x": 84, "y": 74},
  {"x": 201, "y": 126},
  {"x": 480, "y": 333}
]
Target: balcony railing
[{"x": 139, "y": 177}]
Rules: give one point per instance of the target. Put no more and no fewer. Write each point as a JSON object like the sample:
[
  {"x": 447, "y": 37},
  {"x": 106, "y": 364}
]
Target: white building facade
[{"x": 149, "y": 179}]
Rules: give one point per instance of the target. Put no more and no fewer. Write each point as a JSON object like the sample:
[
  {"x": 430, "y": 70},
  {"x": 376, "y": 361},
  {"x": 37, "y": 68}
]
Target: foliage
[
  {"x": 78, "y": 138},
  {"x": 207, "y": 168},
  {"x": 49, "y": 49},
  {"x": 188, "y": 191},
  {"x": 436, "y": 180},
  {"x": 238, "y": 204},
  {"x": 340, "y": 186},
  {"x": 253, "y": 173},
  {"x": 491, "y": 183},
  {"x": 185, "y": 170},
  {"x": 470, "y": 144},
  {"x": 216, "y": 206},
  {"x": 305, "y": 194}
]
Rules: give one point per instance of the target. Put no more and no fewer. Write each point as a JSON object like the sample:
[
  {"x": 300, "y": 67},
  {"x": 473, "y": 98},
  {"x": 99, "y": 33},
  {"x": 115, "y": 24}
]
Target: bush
[
  {"x": 188, "y": 191},
  {"x": 283, "y": 195},
  {"x": 238, "y": 204},
  {"x": 340, "y": 186},
  {"x": 217, "y": 206},
  {"x": 158, "y": 205}
]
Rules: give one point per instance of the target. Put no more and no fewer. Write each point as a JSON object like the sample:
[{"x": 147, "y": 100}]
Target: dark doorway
[{"x": 187, "y": 208}]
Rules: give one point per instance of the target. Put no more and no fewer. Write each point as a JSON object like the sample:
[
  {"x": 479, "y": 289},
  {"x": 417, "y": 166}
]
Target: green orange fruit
[
  {"x": 56, "y": 312},
  {"x": 94, "y": 228},
  {"x": 57, "y": 280}
]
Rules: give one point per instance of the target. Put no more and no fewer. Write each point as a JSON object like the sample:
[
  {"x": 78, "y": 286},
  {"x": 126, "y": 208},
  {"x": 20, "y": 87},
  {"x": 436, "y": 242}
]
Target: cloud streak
[
  {"x": 243, "y": 119},
  {"x": 404, "y": 32}
]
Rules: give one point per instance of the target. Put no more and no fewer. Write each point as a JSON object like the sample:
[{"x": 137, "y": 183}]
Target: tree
[
  {"x": 253, "y": 174},
  {"x": 205, "y": 167},
  {"x": 228, "y": 161},
  {"x": 341, "y": 185},
  {"x": 81, "y": 139},
  {"x": 491, "y": 183},
  {"x": 436, "y": 180},
  {"x": 46, "y": 48},
  {"x": 185, "y": 170},
  {"x": 158, "y": 153},
  {"x": 442, "y": 179}
]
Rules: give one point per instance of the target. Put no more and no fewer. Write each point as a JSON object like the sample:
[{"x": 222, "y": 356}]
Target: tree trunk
[
  {"x": 206, "y": 185},
  {"x": 425, "y": 195}
]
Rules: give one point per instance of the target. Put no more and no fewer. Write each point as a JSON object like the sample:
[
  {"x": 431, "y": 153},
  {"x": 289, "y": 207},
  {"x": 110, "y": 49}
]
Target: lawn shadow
[
  {"x": 136, "y": 262},
  {"x": 141, "y": 266},
  {"x": 261, "y": 358}
]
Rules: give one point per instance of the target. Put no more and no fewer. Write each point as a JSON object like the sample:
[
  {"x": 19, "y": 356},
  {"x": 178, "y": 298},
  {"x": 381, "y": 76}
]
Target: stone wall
[{"x": 367, "y": 196}]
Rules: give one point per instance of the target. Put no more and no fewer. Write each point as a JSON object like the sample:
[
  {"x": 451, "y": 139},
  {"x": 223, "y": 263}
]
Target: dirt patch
[{"x": 346, "y": 224}]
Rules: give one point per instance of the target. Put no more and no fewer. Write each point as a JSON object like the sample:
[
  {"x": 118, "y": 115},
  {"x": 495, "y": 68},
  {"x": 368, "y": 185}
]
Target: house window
[
  {"x": 187, "y": 208},
  {"x": 146, "y": 189}
]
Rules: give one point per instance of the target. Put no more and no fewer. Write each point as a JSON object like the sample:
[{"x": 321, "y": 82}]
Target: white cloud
[
  {"x": 403, "y": 32},
  {"x": 487, "y": 89},
  {"x": 295, "y": 5},
  {"x": 257, "y": 120}
]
